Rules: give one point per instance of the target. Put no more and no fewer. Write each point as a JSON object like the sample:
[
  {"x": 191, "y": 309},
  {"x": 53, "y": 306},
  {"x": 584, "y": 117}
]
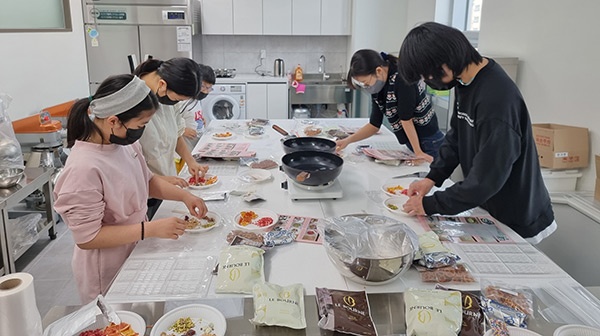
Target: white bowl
[
  {"x": 262, "y": 213},
  {"x": 136, "y": 321},
  {"x": 200, "y": 314},
  {"x": 576, "y": 330},
  {"x": 396, "y": 201},
  {"x": 205, "y": 186},
  {"x": 255, "y": 175},
  {"x": 221, "y": 135},
  {"x": 199, "y": 228},
  {"x": 514, "y": 331},
  {"x": 403, "y": 183}
]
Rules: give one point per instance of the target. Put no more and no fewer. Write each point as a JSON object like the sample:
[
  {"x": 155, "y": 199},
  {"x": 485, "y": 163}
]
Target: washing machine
[{"x": 225, "y": 101}]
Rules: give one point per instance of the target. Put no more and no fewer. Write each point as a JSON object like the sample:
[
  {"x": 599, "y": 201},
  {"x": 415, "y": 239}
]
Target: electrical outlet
[{"x": 263, "y": 54}]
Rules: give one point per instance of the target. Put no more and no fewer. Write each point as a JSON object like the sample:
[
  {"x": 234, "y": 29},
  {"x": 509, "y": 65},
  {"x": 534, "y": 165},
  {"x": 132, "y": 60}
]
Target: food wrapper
[
  {"x": 433, "y": 312},
  {"x": 275, "y": 305},
  {"x": 495, "y": 310},
  {"x": 344, "y": 311},
  {"x": 432, "y": 254},
  {"x": 473, "y": 321},
  {"x": 83, "y": 318},
  {"x": 456, "y": 273},
  {"x": 240, "y": 268},
  {"x": 516, "y": 298},
  {"x": 279, "y": 237}
]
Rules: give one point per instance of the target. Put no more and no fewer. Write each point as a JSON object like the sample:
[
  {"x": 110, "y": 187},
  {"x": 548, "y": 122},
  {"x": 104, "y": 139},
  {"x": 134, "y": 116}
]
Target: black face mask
[
  {"x": 201, "y": 96},
  {"x": 437, "y": 84},
  {"x": 165, "y": 100},
  {"x": 131, "y": 136}
]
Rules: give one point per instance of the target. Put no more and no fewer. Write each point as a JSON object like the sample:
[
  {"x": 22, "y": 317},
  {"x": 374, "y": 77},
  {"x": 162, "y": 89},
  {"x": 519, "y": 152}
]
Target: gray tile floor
[{"x": 50, "y": 261}]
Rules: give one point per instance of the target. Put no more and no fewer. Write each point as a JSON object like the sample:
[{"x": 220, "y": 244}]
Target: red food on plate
[
  {"x": 265, "y": 221},
  {"x": 196, "y": 182},
  {"x": 404, "y": 192}
]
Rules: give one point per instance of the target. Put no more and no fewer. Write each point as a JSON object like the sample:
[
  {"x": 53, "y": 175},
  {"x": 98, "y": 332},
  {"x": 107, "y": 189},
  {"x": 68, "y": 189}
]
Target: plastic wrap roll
[{"x": 19, "y": 314}]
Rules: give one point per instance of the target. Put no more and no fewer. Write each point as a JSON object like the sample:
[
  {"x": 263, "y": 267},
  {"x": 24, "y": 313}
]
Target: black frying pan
[
  {"x": 312, "y": 168},
  {"x": 308, "y": 144}
]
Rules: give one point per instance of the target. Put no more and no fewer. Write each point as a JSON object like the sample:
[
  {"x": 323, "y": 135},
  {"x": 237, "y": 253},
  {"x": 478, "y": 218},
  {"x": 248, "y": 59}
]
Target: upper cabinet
[
  {"x": 247, "y": 17},
  {"x": 217, "y": 17},
  {"x": 306, "y": 17},
  {"x": 335, "y": 17},
  {"x": 276, "y": 17}
]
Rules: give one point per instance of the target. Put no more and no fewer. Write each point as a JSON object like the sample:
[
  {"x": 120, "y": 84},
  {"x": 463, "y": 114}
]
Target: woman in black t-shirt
[{"x": 406, "y": 107}]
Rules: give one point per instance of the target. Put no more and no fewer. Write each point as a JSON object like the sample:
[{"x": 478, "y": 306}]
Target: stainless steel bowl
[
  {"x": 9, "y": 177},
  {"x": 376, "y": 255}
]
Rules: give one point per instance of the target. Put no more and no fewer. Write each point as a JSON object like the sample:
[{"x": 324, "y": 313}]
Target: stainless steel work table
[
  {"x": 35, "y": 178},
  {"x": 387, "y": 310}
]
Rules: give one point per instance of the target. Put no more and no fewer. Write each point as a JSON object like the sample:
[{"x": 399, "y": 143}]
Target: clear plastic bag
[
  {"x": 77, "y": 321},
  {"x": 10, "y": 149},
  {"x": 24, "y": 231}
]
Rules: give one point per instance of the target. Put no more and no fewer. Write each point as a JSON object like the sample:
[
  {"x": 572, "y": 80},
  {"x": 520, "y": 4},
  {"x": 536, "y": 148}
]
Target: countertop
[{"x": 241, "y": 78}]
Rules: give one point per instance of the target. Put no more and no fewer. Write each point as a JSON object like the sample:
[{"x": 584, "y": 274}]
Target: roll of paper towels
[{"x": 19, "y": 314}]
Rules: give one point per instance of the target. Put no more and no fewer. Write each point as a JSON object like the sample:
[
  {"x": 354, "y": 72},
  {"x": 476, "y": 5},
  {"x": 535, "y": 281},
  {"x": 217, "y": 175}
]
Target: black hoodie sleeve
[
  {"x": 443, "y": 166},
  {"x": 499, "y": 146}
]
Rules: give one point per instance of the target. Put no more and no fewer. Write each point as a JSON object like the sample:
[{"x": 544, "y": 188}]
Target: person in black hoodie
[{"x": 490, "y": 137}]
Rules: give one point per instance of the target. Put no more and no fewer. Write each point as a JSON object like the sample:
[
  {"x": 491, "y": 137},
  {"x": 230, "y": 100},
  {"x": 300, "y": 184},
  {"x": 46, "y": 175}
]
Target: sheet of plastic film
[{"x": 169, "y": 277}]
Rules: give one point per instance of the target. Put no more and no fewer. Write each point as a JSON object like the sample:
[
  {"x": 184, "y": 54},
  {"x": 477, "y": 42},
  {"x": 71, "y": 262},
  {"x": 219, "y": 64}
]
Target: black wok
[
  {"x": 308, "y": 144},
  {"x": 312, "y": 168}
]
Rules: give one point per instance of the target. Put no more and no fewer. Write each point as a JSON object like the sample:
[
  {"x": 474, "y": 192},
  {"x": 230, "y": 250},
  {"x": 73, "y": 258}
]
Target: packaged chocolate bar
[{"x": 345, "y": 311}]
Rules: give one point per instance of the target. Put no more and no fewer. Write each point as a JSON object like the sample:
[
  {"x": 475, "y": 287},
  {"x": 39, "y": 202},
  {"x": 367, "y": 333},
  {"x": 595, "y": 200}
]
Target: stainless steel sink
[{"x": 333, "y": 90}]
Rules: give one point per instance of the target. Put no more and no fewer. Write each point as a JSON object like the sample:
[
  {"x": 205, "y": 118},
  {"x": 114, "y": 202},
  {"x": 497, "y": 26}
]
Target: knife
[{"x": 420, "y": 174}]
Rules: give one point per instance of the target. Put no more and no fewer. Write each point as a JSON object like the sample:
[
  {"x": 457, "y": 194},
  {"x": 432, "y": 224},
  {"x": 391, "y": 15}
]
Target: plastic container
[
  {"x": 560, "y": 180},
  {"x": 298, "y": 73},
  {"x": 576, "y": 330},
  {"x": 514, "y": 331}
]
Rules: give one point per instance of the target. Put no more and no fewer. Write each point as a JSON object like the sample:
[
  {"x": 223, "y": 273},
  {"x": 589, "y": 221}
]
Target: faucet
[{"x": 322, "y": 67}]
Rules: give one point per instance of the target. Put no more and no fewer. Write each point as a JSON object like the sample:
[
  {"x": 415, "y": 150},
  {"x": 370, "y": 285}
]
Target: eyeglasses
[
  {"x": 362, "y": 85},
  {"x": 207, "y": 88}
]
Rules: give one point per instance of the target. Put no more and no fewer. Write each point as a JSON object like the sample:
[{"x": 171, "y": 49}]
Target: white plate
[
  {"x": 254, "y": 137},
  {"x": 576, "y": 330},
  {"x": 136, "y": 321},
  {"x": 252, "y": 226},
  {"x": 514, "y": 331},
  {"x": 207, "y": 176},
  {"x": 200, "y": 314},
  {"x": 401, "y": 182},
  {"x": 397, "y": 201},
  {"x": 199, "y": 228},
  {"x": 217, "y": 137},
  {"x": 255, "y": 175}
]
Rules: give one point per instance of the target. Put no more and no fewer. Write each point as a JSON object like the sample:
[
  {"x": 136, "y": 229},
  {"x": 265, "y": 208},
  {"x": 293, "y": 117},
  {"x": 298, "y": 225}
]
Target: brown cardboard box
[
  {"x": 562, "y": 146},
  {"x": 597, "y": 193}
]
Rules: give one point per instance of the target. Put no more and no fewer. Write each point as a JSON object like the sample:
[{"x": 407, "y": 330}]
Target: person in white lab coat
[
  {"x": 192, "y": 113},
  {"x": 175, "y": 80}
]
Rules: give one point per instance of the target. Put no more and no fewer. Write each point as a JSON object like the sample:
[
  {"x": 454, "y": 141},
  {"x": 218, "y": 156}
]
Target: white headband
[{"x": 123, "y": 100}]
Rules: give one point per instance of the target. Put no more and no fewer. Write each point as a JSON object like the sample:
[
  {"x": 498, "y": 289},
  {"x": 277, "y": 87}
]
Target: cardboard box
[
  {"x": 562, "y": 146},
  {"x": 597, "y": 193}
]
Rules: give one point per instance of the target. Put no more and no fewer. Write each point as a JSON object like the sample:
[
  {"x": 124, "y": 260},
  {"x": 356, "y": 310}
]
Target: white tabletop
[{"x": 305, "y": 263}]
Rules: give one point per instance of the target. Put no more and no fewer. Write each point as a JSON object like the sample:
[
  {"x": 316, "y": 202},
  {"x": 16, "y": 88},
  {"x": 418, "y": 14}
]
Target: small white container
[
  {"x": 560, "y": 180},
  {"x": 514, "y": 331},
  {"x": 576, "y": 330}
]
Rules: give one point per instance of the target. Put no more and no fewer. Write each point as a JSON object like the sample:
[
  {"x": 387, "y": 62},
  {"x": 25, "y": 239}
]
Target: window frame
[{"x": 67, "y": 24}]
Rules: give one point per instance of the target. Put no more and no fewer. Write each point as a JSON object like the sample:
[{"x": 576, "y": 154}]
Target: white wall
[
  {"x": 43, "y": 69},
  {"x": 559, "y": 70}
]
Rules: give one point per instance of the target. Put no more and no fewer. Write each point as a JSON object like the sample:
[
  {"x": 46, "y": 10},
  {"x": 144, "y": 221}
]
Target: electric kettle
[{"x": 279, "y": 68}]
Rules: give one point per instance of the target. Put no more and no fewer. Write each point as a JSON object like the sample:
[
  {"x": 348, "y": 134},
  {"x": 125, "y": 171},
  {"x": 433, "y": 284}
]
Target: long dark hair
[
  {"x": 428, "y": 46},
  {"x": 364, "y": 62},
  {"x": 79, "y": 124},
  {"x": 181, "y": 74}
]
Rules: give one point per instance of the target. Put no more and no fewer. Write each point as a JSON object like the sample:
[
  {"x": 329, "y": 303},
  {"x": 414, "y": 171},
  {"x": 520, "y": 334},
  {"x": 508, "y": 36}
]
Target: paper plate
[
  {"x": 394, "y": 205},
  {"x": 199, "y": 228},
  {"x": 205, "y": 186},
  {"x": 222, "y": 135},
  {"x": 253, "y": 226},
  {"x": 201, "y": 315},
  {"x": 398, "y": 185},
  {"x": 136, "y": 321},
  {"x": 576, "y": 330},
  {"x": 514, "y": 331},
  {"x": 255, "y": 175}
]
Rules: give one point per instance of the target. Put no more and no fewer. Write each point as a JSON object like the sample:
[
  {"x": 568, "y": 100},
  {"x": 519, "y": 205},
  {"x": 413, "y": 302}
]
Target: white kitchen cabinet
[
  {"x": 267, "y": 100},
  {"x": 247, "y": 17},
  {"x": 335, "y": 17},
  {"x": 217, "y": 17},
  {"x": 306, "y": 17},
  {"x": 277, "y": 101},
  {"x": 277, "y": 17}
]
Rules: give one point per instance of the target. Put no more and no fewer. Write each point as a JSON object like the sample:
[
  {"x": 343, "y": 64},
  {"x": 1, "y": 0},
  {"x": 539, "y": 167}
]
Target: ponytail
[{"x": 79, "y": 124}]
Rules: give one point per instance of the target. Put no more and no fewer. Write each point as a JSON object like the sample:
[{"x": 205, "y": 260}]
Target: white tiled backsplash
[{"x": 243, "y": 52}]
